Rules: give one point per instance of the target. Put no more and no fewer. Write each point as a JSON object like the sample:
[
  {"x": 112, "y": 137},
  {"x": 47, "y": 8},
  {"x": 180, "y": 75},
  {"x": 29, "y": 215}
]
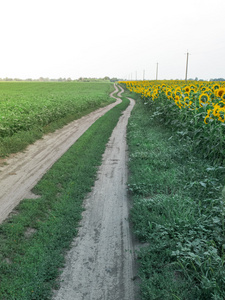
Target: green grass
[
  {"x": 33, "y": 241},
  {"x": 30, "y": 109},
  {"x": 177, "y": 213}
]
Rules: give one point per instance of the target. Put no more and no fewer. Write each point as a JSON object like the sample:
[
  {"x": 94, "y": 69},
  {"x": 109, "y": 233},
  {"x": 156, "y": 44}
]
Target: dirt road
[
  {"x": 100, "y": 265},
  {"x": 23, "y": 170}
]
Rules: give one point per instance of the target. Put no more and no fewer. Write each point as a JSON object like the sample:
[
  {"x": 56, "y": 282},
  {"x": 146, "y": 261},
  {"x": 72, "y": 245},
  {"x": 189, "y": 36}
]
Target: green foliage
[
  {"x": 187, "y": 123},
  {"x": 33, "y": 241},
  {"x": 39, "y": 107},
  {"x": 178, "y": 211}
]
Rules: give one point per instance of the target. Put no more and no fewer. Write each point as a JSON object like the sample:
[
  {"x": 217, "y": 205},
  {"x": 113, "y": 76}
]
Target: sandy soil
[
  {"x": 21, "y": 172},
  {"x": 100, "y": 264}
]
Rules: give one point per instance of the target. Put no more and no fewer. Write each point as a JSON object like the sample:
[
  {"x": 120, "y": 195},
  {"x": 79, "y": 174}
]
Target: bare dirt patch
[{"x": 29, "y": 232}]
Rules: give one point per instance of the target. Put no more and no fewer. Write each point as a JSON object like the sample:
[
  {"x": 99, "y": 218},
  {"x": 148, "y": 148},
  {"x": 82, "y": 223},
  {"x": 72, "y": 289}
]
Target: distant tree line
[
  {"x": 46, "y": 79},
  {"x": 211, "y": 79},
  {"x": 217, "y": 79}
]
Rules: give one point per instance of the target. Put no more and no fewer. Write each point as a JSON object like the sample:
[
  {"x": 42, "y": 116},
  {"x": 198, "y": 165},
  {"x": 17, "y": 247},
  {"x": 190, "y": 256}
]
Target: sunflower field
[
  {"x": 193, "y": 109},
  {"x": 176, "y": 183}
]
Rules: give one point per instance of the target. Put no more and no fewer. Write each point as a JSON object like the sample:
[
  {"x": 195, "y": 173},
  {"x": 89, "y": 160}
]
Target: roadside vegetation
[
  {"x": 30, "y": 109},
  {"x": 34, "y": 239},
  {"x": 178, "y": 208}
]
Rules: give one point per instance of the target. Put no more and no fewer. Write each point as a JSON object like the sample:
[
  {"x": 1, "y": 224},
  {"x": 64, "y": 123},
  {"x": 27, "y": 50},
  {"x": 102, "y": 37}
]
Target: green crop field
[{"x": 27, "y": 109}]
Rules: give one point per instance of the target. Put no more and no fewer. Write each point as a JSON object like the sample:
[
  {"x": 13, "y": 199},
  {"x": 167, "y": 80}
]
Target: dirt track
[
  {"x": 100, "y": 265},
  {"x": 23, "y": 170}
]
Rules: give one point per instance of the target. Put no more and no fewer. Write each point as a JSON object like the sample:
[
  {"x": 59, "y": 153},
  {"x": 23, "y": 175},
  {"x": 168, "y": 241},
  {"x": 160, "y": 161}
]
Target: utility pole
[
  {"x": 186, "y": 67},
  {"x": 143, "y": 74},
  {"x": 157, "y": 71},
  {"x": 136, "y": 75}
]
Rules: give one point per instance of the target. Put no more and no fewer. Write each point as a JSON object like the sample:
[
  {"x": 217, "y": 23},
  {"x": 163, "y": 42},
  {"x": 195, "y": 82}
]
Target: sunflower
[
  {"x": 168, "y": 93},
  {"x": 205, "y": 120},
  {"x": 216, "y": 110},
  {"x": 177, "y": 89},
  {"x": 216, "y": 86},
  {"x": 220, "y": 92},
  {"x": 178, "y": 102},
  {"x": 203, "y": 99},
  {"x": 222, "y": 115},
  {"x": 193, "y": 88},
  {"x": 187, "y": 89},
  {"x": 208, "y": 116},
  {"x": 187, "y": 101},
  {"x": 178, "y": 92}
]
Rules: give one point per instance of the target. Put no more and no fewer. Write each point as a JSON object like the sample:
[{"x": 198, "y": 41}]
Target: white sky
[{"x": 97, "y": 38}]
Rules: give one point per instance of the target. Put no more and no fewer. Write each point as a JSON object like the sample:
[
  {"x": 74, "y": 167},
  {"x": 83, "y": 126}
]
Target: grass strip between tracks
[
  {"x": 178, "y": 212},
  {"x": 33, "y": 240}
]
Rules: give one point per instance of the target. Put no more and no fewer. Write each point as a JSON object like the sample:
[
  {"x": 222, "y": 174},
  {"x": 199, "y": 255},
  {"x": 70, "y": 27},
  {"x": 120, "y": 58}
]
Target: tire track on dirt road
[
  {"x": 23, "y": 170},
  {"x": 100, "y": 264}
]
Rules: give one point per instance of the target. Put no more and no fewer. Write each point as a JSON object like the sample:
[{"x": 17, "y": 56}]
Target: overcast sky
[{"x": 120, "y": 38}]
